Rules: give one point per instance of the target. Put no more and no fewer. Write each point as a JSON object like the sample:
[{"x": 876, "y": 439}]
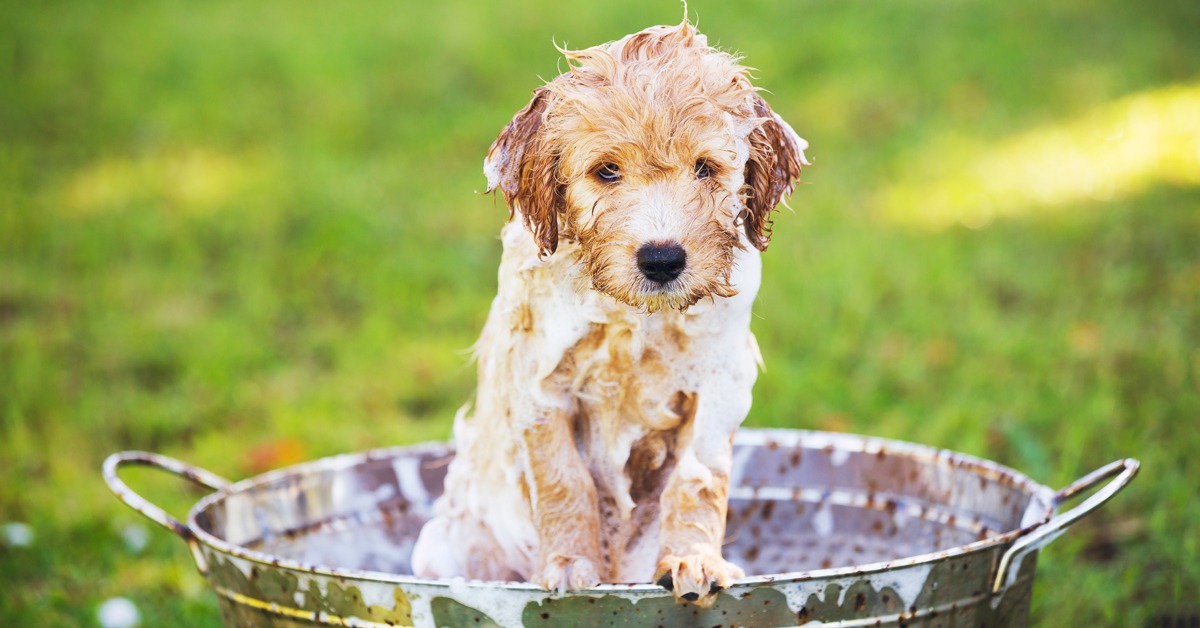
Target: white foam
[
  {"x": 504, "y": 606},
  {"x": 379, "y": 594},
  {"x": 412, "y": 487},
  {"x": 900, "y": 517},
  {"x": 420, "y": 610},
  {"x": 823, "y": 520},
  {"x": 907, "y": 583},
  {"x": 491, "y": 170},
  {"x": 797, "y": 593},
  {"x": 242, "y": 564}
]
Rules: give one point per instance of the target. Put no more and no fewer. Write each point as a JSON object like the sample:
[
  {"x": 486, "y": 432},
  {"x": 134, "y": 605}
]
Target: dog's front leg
[
  {"x": 563, "y": 497},
  {"x": 692, "y": 525}
]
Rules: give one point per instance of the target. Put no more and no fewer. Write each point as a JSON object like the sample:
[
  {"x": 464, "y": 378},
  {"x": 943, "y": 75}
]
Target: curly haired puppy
[{"x": 617, "y": 359}]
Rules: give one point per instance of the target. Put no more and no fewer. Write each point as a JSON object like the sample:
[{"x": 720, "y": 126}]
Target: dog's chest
[
  {"x": 634, "y": 388},
  {"x": 634, "y": 378}
]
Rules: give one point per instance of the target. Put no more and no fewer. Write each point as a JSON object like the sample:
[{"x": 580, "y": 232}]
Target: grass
[{"x": 247, "y": 235}]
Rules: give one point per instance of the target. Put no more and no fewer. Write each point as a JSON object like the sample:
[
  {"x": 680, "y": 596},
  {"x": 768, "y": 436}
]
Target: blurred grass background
[{"x": 249, "y": 234}]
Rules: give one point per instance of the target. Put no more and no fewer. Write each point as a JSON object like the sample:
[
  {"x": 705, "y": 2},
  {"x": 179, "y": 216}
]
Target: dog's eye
[
  {"x": 704, "y": 169},
  {"x": 608, "y": 172}
]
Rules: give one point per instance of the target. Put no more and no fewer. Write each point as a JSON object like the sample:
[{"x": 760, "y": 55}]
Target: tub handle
[
  {"x": 194, "y": 474},
  {"x": 1042, "y": 534}
]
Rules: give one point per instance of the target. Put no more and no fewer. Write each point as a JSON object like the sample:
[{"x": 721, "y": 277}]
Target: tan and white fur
[{"x": 617, "y": 359}]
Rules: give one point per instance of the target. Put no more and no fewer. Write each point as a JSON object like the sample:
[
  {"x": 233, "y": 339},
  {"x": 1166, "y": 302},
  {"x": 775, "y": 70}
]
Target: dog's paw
[
  {"x": 696, "y": 578},
  {"x": 562, "y": 573}
]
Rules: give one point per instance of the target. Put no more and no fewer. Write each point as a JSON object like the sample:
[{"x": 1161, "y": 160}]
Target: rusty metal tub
[{"x": 838, "y": 529}]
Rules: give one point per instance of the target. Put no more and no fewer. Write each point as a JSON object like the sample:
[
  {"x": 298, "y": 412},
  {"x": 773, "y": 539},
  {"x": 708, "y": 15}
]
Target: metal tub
[{"x": 833, "y": 528}]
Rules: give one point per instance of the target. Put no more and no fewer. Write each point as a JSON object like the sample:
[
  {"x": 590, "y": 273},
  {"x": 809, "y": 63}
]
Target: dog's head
[{"x": 658, "y": 157}]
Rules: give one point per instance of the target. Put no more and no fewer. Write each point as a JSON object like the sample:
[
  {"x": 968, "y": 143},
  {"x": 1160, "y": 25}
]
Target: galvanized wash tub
[{"x": 838, "y": 529}]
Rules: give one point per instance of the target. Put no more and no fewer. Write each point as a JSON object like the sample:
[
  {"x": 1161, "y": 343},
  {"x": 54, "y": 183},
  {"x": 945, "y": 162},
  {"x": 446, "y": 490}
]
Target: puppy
[{"x": 617, "y": 359}]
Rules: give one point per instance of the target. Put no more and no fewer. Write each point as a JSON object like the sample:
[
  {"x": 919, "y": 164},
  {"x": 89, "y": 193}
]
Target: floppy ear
[
  {"x": 525, "y": 168},
  {"x": 776, "y": 154}
]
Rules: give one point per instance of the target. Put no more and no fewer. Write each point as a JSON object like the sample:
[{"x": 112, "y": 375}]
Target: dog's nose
[{"x": 661, "y": 261}]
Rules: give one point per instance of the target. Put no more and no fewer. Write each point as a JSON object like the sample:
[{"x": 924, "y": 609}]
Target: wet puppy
[{"x": 617, "y": 359}]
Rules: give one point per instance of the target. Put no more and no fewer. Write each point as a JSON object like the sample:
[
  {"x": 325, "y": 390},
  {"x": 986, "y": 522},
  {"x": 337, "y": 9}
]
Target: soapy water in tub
[
  {"x": 807, "y": 531},
  {"x": 809, "y": 539}
]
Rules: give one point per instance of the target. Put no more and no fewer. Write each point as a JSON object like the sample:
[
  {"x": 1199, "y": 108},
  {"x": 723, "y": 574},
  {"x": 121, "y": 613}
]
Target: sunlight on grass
[
  {"x": 194, "y": 180},
  {"x": 1114, "y": 151}
]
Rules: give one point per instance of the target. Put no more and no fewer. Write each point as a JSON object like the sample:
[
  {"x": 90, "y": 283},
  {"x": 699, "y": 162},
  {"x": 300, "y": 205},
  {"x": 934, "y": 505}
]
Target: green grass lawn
[{"x": 250, "y": 234}]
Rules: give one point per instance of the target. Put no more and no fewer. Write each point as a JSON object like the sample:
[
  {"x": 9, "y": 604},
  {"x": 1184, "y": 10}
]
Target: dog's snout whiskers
[{"x": 661, "y": 262}]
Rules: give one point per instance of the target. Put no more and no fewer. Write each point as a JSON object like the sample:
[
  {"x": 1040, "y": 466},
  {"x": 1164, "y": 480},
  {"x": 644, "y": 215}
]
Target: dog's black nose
[{"x": 661, "y": 261}]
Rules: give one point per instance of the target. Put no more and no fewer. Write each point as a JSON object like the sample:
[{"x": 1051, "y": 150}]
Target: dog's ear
[
  {"x": 776, "y": 155},
  {"x": 525, "y": 168}
]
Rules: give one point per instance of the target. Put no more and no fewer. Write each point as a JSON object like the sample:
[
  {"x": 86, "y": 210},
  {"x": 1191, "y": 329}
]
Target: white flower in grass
[
  {"x": 118, "y": 612},
  {"x": 17, "y": 534},
  {"x": 136, "y": 537}
]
